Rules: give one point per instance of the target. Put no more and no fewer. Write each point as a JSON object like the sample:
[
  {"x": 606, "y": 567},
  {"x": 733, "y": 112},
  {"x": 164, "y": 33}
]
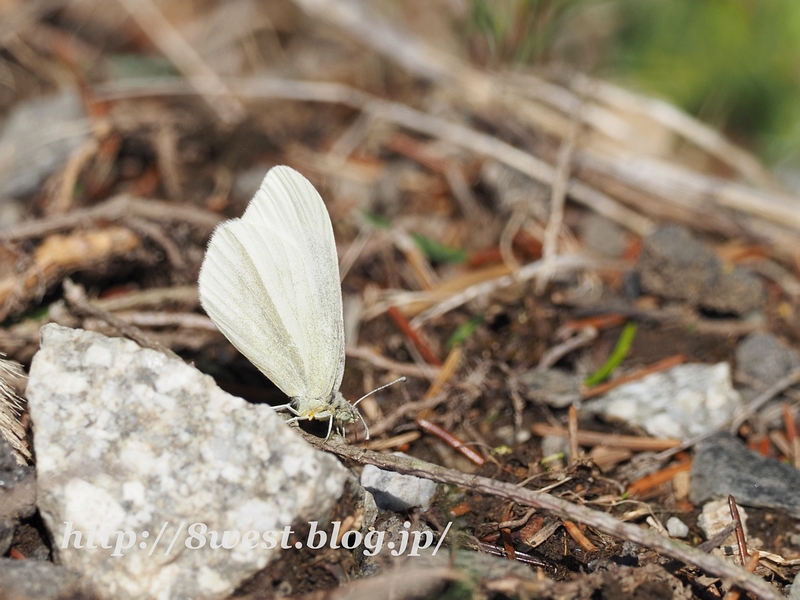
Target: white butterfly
[{"x": 270, "y": 283}]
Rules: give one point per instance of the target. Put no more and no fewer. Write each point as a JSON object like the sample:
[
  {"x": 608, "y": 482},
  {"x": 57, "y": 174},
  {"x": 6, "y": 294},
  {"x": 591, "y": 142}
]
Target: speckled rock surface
[
  {"x": 723, "y": 465},
  {"x": 36, "y": 580},
  {"x": 556, "y": 388},
  {"x": 683, "y": 402},
  {"x": 130, "y": 440},
  {"x": 764, "y": 358},
  {"x": 675, "y": 265}
]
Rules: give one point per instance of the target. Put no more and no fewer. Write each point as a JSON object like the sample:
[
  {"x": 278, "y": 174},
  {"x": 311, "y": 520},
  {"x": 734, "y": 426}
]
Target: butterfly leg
[
  {"x": 297, "y": 418},
  {"x": 288, "y": 407},
  {"x": 330, "y": 427}
]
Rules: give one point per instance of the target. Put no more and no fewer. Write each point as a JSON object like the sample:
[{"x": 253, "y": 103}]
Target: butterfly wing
[{"x": 270, "y": 283}]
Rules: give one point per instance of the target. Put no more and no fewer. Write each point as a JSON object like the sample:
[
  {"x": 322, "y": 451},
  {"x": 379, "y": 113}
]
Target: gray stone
[
  {"x": 17, "y": 493},
  {"x": 35, "y": 580},
  {"x": 38, "y": 137},
  {"x": 685, "y": 401},
  {"x": 762, "y": 357},
  {"x": 553, "y": 445},
  {"x": 8, "y": 459},
  {"x": 555, "y": 387},
  {"x": 794, "y": 590},
  {"x": 675, "y": 265},
  {"x": 724, "y": 465},
  {"x": 7, "y": 529},
  {"x": 603, "y": 236},
  {"x": 393, "y": 491},
  {"x": 131, "y": 440}
]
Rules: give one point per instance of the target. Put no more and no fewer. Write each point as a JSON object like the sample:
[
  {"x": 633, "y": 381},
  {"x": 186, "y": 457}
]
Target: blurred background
[{"x": 735, "y": 64}]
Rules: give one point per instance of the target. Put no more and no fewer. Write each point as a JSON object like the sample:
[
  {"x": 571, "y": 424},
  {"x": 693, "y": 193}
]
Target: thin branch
[
  {"x": 566, "y": 510},
  {"x": 556, "y": 353},
  {"x": 115, "y": 209},
  {"x": 76, "y": 298}
]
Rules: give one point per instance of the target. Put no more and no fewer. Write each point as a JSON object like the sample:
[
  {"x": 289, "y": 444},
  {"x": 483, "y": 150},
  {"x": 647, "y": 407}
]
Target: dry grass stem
[
  {"x": 564, "y": 263},
  {"x": 181, "y": 53},
  {"x": 10, "y": 409}
]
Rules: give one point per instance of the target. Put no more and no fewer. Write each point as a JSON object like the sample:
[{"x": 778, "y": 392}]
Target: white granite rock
[
  {"x": 677, "y": 528},
  {"x": 716, "y": 516},
  {"x": 130, "y": 440},
  {"x": 683, "y": 402}
]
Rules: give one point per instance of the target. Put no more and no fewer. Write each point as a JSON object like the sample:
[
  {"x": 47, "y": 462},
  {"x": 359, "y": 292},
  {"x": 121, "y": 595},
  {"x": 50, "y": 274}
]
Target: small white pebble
[{"x": 677, "y": 528}]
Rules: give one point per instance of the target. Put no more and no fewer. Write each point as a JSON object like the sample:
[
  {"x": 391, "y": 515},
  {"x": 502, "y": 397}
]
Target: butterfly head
[{"x": 333, "y": 408}]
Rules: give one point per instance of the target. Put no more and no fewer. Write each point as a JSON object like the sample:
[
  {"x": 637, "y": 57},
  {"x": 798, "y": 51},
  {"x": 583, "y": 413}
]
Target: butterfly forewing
[{"x": 270, "y": 282}]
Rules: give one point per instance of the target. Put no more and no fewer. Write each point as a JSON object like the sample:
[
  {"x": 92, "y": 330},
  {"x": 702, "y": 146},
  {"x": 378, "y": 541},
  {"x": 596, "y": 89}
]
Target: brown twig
[
  {"x": 394, "y": 442},
  {"x": 420, "y": 266},
  {"x": 741, "y": 415},
  {"x": 564, "y": 263},
  {"x": 451, "y": 440},
  {"x": 445, "y": 373},
  {"x": 162, "y": 319},
  {"x": 750, "y": 565},
  {"x": 154, "y": 232},
  {"x": 414, "y": 337},
  {"x": 654, "y": 479},
  {"x": 791, "y": 434},
  {"x": 183, "y": 296},
  {"x": 612, "y": 440},
  {"x": 576, "y": 534},
  {"x": 598, "y": 520},
  {"x": 739, "y": 530},
  {"x": 409, "y": 408},
  {"x": 514, "y": 523}
]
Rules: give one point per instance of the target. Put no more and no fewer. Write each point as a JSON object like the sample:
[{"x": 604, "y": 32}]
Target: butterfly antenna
[
  {"x": 366, "y": 428},
  {"x": 378, "y": 390}
]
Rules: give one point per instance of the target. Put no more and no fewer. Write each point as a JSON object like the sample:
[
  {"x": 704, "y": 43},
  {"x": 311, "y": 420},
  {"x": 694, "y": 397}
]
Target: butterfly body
[{"x": 334, "y": 408}]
